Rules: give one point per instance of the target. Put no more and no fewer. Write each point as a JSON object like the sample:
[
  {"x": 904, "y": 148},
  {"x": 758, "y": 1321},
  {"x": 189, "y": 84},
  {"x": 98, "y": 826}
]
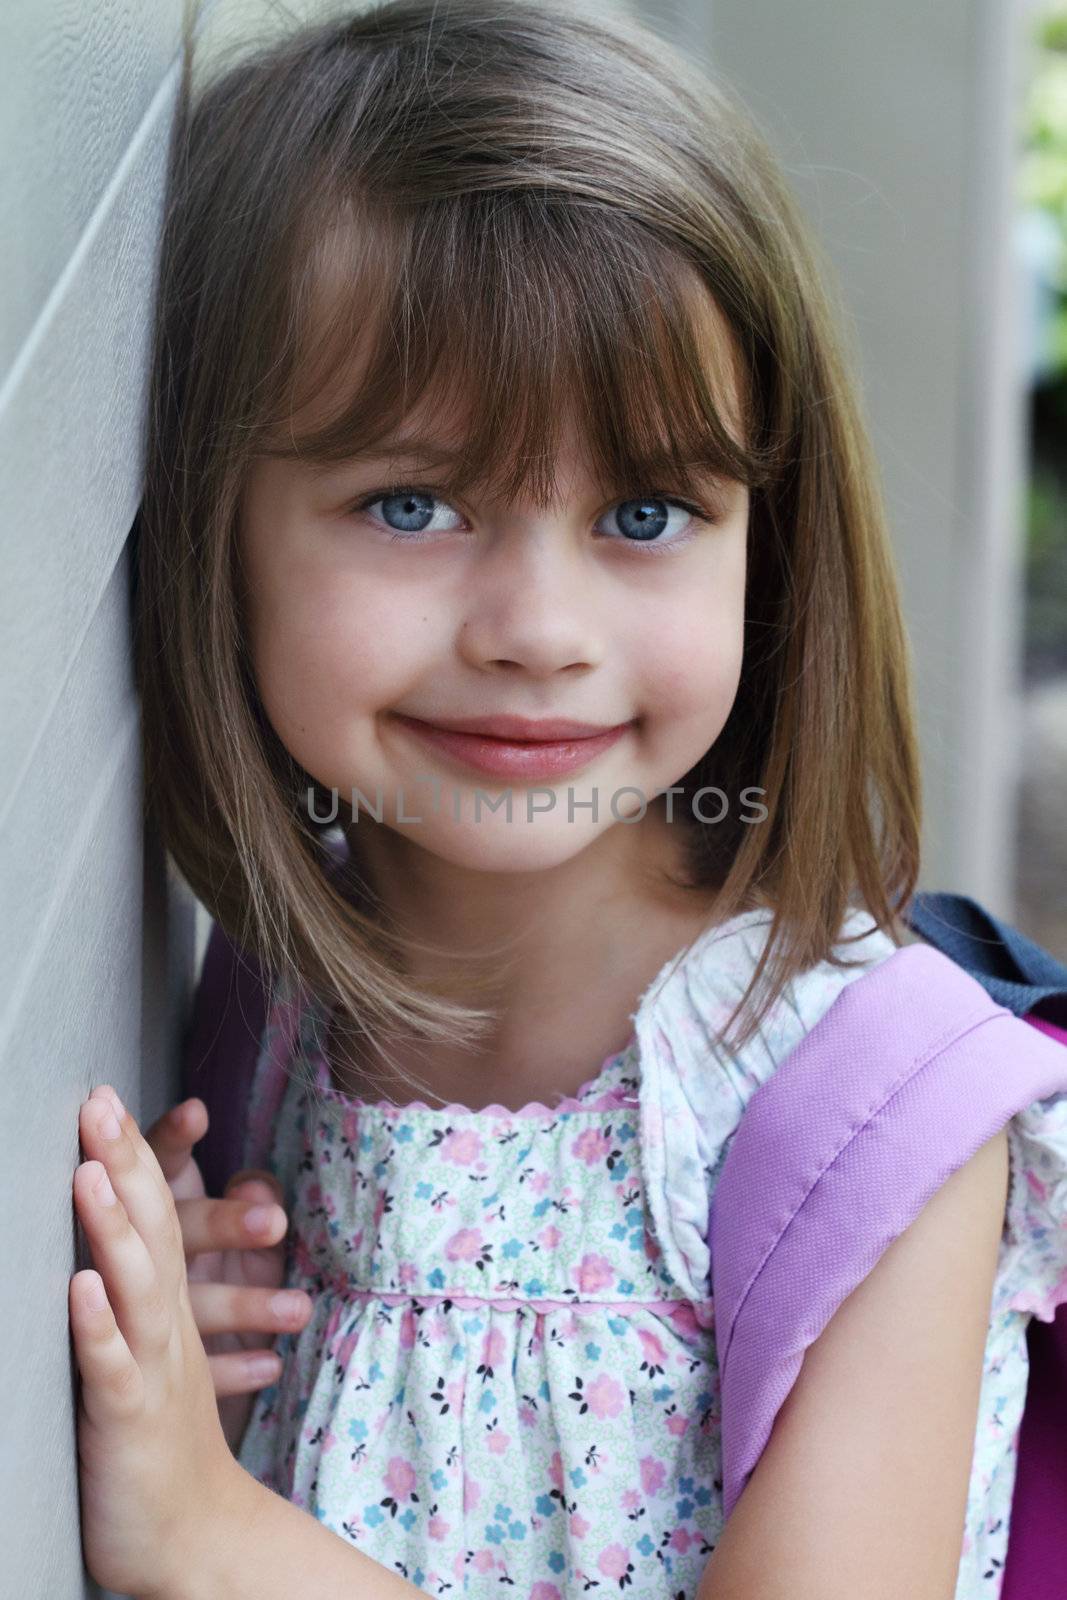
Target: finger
[
  {"x": 243, "y": 1372},
  {"x": 137, "y": 1180},
  {"x": 172, "y": 1136},
  {"x": 229, "y": 1224},
  {"x": 258, "y": 1176},
  {"x": 229, "y": 1308},
  {"x": 137, "y": 1299},
  {"x": 112, "y": 1382}
]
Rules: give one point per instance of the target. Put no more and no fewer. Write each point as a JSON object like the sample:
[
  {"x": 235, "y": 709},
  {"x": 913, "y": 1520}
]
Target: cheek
[
  {"x": 690, "y": 659},
  {"x": 327, "y": 650}
]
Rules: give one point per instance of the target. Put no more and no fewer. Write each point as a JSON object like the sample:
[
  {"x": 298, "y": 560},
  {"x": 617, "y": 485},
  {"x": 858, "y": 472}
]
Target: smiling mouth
[{"x": 512, "y": 757}]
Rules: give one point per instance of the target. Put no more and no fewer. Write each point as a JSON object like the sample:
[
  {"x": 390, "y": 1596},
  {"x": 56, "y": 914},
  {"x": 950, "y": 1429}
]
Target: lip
[
  {"x": 546, "y": 730},
  {"x": 508, "y": 755}
]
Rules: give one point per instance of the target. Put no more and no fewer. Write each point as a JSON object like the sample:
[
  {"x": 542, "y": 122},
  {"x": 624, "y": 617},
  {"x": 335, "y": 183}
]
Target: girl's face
[{"x": 366, "y": 607}]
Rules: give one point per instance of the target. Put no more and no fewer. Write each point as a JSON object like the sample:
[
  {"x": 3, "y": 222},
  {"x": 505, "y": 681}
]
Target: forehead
[{"x": 511, "y": 387}]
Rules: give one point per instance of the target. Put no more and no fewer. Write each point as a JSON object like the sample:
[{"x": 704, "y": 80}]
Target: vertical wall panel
[{"x": 96, "y": 941}]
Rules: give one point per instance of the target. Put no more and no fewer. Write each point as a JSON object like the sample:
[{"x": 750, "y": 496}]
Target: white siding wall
[{"x": 96, "y": 946}]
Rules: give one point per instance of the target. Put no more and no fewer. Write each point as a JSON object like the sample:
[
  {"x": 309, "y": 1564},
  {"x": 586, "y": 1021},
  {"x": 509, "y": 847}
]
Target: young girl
[{"x": 517, "y": 623}]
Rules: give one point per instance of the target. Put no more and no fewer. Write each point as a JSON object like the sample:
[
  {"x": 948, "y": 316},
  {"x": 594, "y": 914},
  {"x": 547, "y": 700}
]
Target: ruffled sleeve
[
  {"x": 1032, "y": 1273},
  {"x": 693, "y": 1091}
]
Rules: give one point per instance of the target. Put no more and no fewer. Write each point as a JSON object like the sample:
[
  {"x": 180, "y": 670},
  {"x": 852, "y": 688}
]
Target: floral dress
[{"x": 509, "y": 1384}]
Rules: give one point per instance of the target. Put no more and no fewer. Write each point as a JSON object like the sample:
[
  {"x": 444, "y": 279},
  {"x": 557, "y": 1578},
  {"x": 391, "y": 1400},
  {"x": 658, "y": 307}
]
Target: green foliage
[{"x": 1043, "y": 186}]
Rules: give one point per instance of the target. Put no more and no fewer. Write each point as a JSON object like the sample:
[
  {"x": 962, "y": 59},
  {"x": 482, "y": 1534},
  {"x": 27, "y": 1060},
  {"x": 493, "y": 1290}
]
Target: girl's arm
[
  {"x": 861, "y": 1491},
  {"x": 262, "y": 1547}
]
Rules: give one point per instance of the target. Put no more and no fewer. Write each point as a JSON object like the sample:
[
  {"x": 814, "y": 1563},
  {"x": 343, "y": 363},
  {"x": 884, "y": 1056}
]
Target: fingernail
[
  {"x": 289, "y": 1304},
  {"x": 259, "y": 1219},
  {"x": 108, "y": 1125},
  {"x": 103, "y": 1191}
]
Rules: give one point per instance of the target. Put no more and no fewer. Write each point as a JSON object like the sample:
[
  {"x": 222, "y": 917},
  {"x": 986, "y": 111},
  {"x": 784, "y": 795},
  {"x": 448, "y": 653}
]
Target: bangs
[{"x": 504, "y": 318}]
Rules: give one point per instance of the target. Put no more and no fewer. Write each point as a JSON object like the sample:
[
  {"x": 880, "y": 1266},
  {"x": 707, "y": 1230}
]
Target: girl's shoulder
[{"x": 693, "y": 1089}]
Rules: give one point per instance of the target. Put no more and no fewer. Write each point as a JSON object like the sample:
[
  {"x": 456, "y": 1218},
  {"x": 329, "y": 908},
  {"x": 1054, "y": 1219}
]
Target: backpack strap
[
  {"x": 911, "y": 1069},
  {"x": 220, "y": 1052},
  {"x": 1022, "y": 976},
  {"x": 1018, "y": 973},
  {"x": 235, "y": 1051}
]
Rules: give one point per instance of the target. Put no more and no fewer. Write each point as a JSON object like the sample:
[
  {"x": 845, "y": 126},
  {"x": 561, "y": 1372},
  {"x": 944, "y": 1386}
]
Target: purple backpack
[{"x": 919, "y": 1087}]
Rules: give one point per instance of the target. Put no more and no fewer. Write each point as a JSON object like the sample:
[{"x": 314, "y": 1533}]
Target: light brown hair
[{"x": 516, "y": 199}]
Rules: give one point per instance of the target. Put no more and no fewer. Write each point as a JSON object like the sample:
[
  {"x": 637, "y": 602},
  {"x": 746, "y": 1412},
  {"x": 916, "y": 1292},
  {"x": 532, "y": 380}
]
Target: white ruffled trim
[{"x": 693, "y": 1090}]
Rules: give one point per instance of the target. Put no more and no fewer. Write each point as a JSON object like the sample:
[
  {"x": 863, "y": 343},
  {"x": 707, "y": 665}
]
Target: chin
[{"x": 495, "y": 845}]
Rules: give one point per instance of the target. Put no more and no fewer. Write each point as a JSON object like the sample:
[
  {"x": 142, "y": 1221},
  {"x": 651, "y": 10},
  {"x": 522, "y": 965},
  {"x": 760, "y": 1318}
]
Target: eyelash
[{"x": 651, "y": 547}]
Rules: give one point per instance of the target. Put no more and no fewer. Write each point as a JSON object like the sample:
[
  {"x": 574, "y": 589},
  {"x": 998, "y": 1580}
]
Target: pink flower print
[
  {"x": 604, "y": 1396},
  {"x": 1043, "y": 1304},
  {"x": 527, "y": 1414},
  {"x": 591, "y": 1146},
  {"x": 350, "y": 1125},
  {"x": 651, "y": 1247},
  {"x": 654, "y": 1353},
  {"x": 493, "y": 1348},
  {"x": 341, "y": 1349},
  {"x": 680, "y": 1540},
  {"x": 484, "y": 1561},
  {"x": 464, "y": 1245},
  {"x": 314, "y": 1196},
  {"x": 630, "y": 1500},
  {"x": 677, "y": 1425},
  {"x": 379, "y": 1208},
  {"x": 578, "y": 1525},
  {"x": 399, "y": 1477},
  {"x": 539, "y": 1182},
  {"x": 303, "y": 1260},
  {"x": 653, "y": 1473},
  {"x": 407, "y": 1329},
  {"x": 498, "y": 1442},
  {"x": 437, "y": 1527},
  {"x": 549, "y": 1237},
  {"x": 454, "y": 1393},
  {"x": 461, "y": 1145},
  {"x": 472, "y": 1492},
  {"x": 555, "y": 1471},
  {"x": 684, "y": 1320},
  {"x": 594, "y": 1272},
  {"x": 406, "y": 1274},
  {"x": 614, "y": 1561},
  {"x": 545, "y": 1591},
  {"x": 1035, "y": 1184}
]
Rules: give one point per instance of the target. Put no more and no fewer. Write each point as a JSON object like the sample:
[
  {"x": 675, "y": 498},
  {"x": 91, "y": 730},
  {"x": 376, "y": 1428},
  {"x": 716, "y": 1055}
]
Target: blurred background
[
  {"x": 1041, "y": 237},
  {"x": 928, "y": 147}
]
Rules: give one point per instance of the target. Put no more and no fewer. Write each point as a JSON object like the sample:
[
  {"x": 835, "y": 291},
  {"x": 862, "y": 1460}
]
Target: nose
[{"x": 530, "y": 606}]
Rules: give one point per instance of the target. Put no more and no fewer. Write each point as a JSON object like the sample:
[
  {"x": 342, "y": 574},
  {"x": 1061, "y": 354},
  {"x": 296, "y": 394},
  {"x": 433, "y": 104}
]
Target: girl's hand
[
  {"x": 234, "y": 1271},
  {"x": 154, "y": 1467}
]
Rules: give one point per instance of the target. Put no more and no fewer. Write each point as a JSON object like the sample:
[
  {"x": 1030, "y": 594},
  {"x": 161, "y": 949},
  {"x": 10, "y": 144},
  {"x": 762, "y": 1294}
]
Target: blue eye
[
  {"x": 409, "y": 513},
  {"x": 643, "y": 521}
]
